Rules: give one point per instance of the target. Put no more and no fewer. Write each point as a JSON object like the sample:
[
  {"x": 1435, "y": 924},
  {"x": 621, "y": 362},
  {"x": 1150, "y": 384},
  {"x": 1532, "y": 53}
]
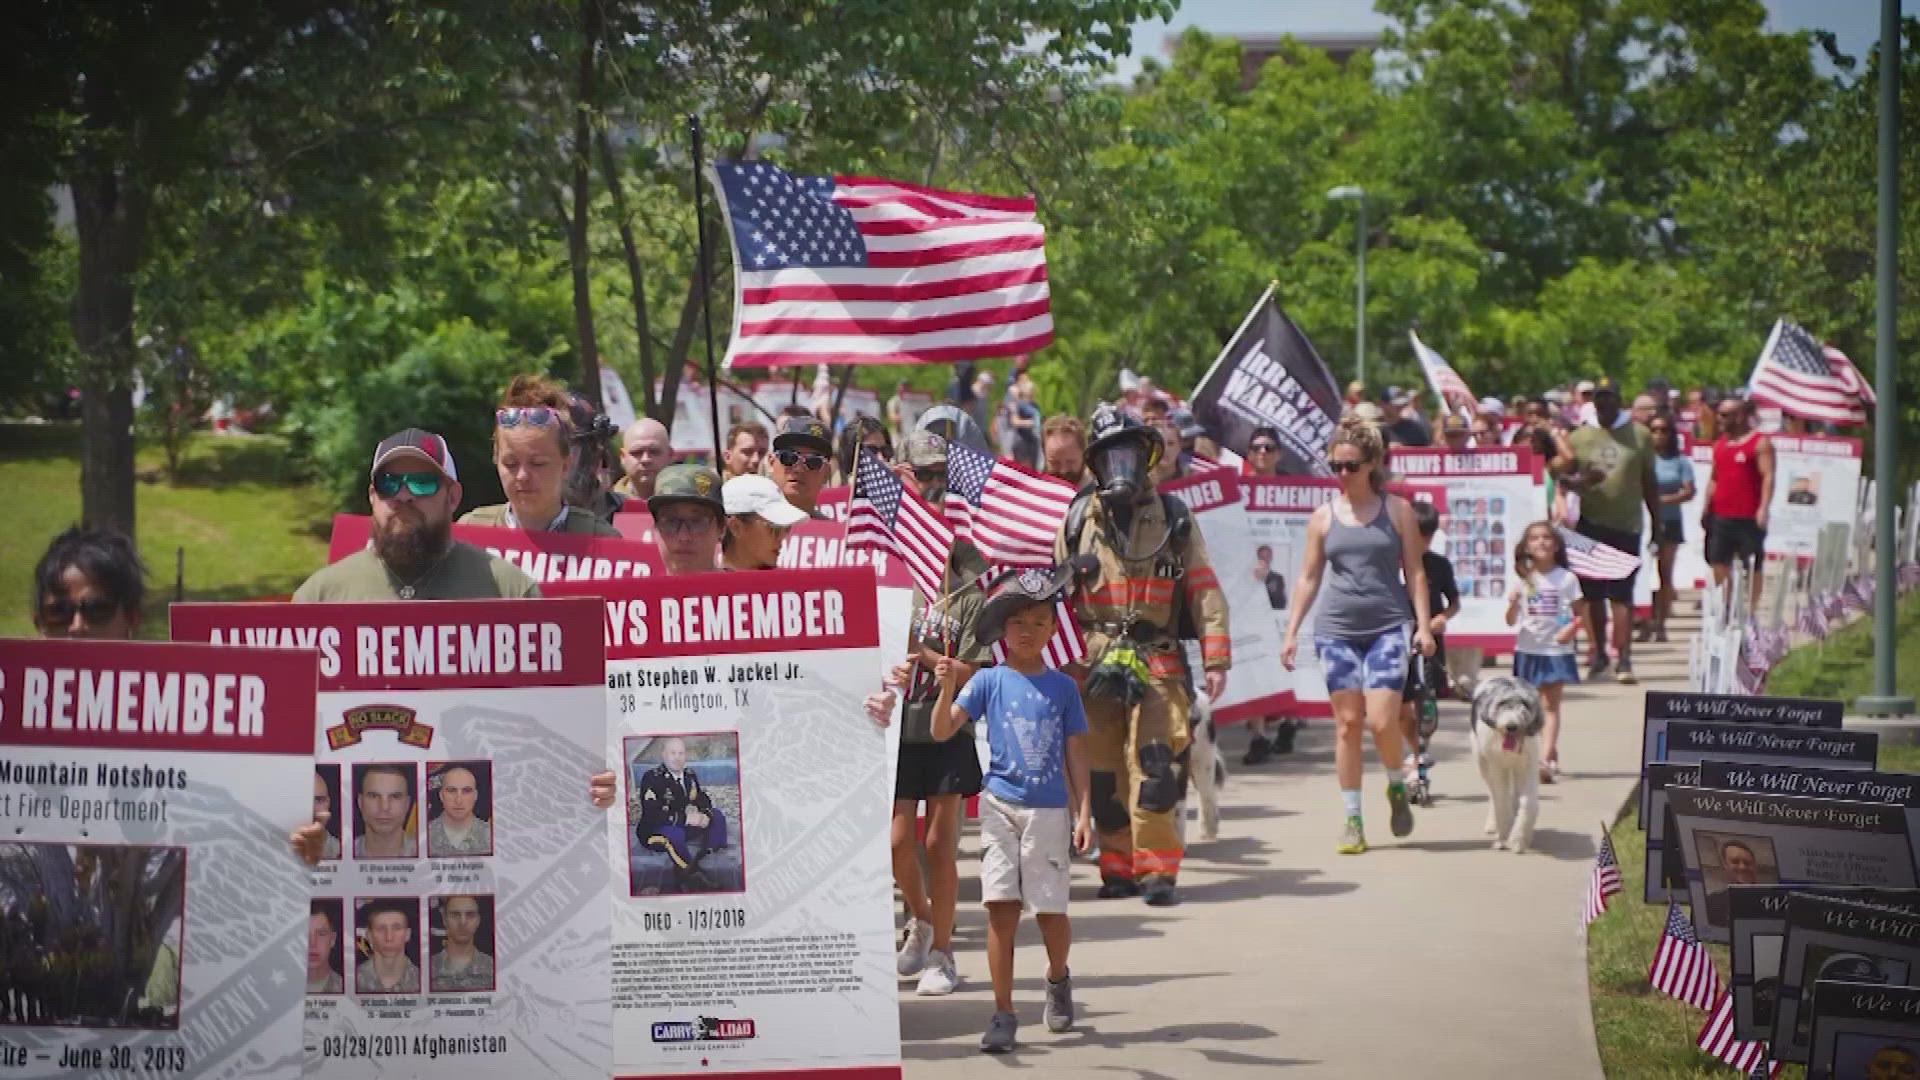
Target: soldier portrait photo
[
  {"x": 683, "y": 813},
  {"x": 90, "y": 935},
  {"x": 459, "y": 809},
  {"x": 384, "y": 822},
  {"x": 325, "y": 955},
  {"x": 462, "y": 929},
  {"x": 326, "y": 807},
  {"x": 386, "y": 946}
]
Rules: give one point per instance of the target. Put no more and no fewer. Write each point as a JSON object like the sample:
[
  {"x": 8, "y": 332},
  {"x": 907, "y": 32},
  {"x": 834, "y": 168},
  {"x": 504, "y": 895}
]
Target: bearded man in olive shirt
[{"x": 1612, "y": 469}]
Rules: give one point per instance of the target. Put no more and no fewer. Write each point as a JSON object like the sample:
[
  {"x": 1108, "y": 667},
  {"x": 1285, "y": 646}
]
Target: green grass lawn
[
  {"x": 244, "y": 525},
  {"x": 1643, "y": 1033},
  {"x": 1842, "y": 665}
]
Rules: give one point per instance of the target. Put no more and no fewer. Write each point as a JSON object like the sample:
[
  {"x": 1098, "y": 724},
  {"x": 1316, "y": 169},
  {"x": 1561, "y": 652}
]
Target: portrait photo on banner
[{"x": 684, "y": 826}]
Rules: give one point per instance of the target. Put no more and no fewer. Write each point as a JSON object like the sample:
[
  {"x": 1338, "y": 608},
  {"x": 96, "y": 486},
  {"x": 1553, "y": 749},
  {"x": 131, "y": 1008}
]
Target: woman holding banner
[
  {"x": 1271, "y": 734},
  {"x": 534, "y": 451},
  {"x": 1367, "y": 546}
]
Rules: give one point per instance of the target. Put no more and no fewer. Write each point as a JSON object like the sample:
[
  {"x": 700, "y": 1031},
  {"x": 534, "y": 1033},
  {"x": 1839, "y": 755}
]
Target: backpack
[{"x": 1179, "y": 528}]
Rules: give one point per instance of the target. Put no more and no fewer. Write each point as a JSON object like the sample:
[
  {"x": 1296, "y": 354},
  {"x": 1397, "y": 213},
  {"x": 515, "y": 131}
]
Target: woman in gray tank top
[{"x": 1366, "y": 547}]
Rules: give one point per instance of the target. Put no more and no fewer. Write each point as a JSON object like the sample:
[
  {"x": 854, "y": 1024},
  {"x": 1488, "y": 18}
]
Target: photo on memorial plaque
[
  {"x": 1269, "y": 578},
  {"x": 1876, "y": 1057},
  {"x": 1864, "y": 1031},
  {"x": 1732, "y": 859},
  {"x": 1759, "y": 928},
  {"x": 385, "y": 821},
  {"x": 386, "y": 946},
  {"x": 459, "y": 809},
  {"x": 91, "y": 935},
  {"x": 326, "y": 952},
  {"x": 1840, "y": 940},
  {"x": 1804, "y": 490},
  {"x": 461, "y": 926},
  {"x": 683, "y": 814},
  {"x": 326, "y": 807}
]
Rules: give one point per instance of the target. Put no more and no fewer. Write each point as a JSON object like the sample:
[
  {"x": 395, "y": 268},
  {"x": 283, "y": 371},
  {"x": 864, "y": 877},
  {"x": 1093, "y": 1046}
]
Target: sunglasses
[
  {"x": 1263, "y": 448},
  {"x": 790, "y": 458},
  {"x": 1346, "y": 466},
  {"x": 676, "y": 526},
  {"x": 418, "y": 484},
  {"x": 537, "y": 415},
  {"x": 59, "y": 611}
]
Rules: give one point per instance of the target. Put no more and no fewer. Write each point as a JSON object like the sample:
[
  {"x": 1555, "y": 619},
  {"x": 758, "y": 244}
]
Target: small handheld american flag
[
  {"x": 1010, "y": 512},
  {"x": 1717, "y": 1038},
  {"x": 1604, "y": 881},
  {"x": 1804, "y": 378},
  {"x": 1682, "y": 966},
  {"x": 1447, "y": 384},
  {"x": 1593, "y": 560},
  {"x": 884, "y": 514}
]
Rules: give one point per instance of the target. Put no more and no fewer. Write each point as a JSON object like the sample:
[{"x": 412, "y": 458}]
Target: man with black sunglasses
[
  {"x": 414, "y": 488},
  {"x": 802, "y": 450}
]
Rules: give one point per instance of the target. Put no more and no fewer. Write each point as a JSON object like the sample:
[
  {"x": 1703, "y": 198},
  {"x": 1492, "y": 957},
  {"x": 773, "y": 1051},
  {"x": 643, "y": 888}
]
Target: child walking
[
  {"x": 1443, "y": 603},
  {"x": 1547, "y": 612},
  {"x": 1035, "y": 734}
]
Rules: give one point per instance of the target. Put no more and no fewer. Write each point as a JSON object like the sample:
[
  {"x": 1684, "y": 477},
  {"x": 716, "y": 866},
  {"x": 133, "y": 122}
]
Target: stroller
[{"x": 1426, "y": 681}]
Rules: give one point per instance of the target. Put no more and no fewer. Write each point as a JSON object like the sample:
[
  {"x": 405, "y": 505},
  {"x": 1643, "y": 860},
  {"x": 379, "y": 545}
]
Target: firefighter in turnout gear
[{"x": 1143, "y": 583}]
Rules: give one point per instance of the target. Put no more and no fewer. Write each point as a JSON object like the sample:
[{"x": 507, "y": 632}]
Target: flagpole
[
  {"x": 1884, "y": 701},
  {"x": 706, "y": 284}
]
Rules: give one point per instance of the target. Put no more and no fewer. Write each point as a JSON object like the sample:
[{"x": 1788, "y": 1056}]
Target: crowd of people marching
[{"x": 1095, "y": 757}]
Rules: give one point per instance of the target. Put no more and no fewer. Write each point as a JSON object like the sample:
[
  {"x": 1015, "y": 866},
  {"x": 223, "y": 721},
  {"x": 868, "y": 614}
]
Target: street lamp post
[
  {"x": 1884, "y": 700},
  {"x": 1359, "y": 195}
]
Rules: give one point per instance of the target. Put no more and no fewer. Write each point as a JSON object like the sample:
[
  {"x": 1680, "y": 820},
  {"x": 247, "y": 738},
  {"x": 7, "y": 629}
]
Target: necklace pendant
[{"x": 406, "y": 592}]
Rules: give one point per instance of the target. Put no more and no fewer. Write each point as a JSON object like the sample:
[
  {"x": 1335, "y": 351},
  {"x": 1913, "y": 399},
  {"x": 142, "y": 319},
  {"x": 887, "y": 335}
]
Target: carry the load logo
[{"x": 706, "y": 1028}]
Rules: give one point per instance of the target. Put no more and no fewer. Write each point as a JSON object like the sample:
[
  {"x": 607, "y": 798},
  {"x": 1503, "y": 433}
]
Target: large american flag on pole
[
  {"x": 1603, "y": 882},
  {"x": 1717, "y": 1038},
  {"x": 1595, "y": 561},
  {"x": 885, "y": 514},
  {"x": 861, "y": 270},
  {"x": 1447, "y": 384},
  {"x": 1010, "y": 512},
  {"x": 1807, "y": 379},
  {"x": 1682, "y": 966}
]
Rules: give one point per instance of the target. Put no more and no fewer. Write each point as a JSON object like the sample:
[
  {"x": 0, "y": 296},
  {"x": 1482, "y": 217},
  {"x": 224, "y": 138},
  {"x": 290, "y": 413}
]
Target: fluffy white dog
[
  {"x": 1506, "y": 723},
  {"x": 1207, "y": 769}
]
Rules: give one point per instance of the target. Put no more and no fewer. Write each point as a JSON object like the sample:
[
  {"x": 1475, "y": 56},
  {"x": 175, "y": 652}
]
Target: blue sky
[{"x": 1855, "y": 22}]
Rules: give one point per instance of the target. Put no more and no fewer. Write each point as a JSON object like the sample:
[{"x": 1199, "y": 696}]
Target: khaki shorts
[{"x": 1025, "y": 854}]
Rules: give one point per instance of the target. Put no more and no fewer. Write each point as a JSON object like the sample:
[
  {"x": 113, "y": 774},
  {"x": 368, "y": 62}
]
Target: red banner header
[
  {"x": 419, "y": 645},
  {"x": 149, "y": 695},
  {"x": 1415, "y": 462},
  {"x": 1205, "y": 490},
  {"x": 752, "y": 611},
  {"x": 543, "y": 556}
]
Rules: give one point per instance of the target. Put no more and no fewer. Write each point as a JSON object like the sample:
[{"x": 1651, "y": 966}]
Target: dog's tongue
[{"x": 1509, "y": 742}]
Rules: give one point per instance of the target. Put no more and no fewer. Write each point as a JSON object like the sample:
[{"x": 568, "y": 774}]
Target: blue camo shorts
[{"x": 1372, "y": 663}]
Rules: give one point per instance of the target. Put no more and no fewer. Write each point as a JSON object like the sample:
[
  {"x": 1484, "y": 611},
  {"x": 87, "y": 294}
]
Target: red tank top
[{"x": 1736, "y": 477}]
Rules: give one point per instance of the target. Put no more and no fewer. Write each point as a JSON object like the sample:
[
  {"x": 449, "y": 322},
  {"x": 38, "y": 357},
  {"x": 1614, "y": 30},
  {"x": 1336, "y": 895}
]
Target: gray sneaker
[
  {"x": 999, "y": 1036},
  {"x": 1058, "y": 1014},
  {"x": 1401, "y": 821}
]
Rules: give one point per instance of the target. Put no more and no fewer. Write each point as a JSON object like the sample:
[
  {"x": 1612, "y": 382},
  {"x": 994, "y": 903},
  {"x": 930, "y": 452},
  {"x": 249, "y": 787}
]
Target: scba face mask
[{"x": 1120, "y": 468}]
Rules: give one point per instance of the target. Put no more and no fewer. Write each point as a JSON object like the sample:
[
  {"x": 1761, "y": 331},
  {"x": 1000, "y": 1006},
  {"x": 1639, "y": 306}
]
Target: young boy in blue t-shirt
[{"x": 1036, "y": 809}]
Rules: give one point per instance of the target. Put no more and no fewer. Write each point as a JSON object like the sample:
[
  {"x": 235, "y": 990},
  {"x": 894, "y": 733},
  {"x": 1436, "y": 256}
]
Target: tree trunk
[
  {"x": 577, "y": 253},
  {"x": 610, "y": 175},
  {"x": 110, "y": 221}
]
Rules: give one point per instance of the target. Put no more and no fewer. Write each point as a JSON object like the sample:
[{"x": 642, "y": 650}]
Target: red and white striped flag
[
  {"x": 885, "y": 514},
  {"x": 1682, "y": 966},
  {"x": 1717, "y": 1038},
  {"x": 1447, "y": 384},
  {"x": 861, "y": 270},
  {"x": 1010, "y": 512},
  {"x": 1603, "y": 882},
  {"x": 1807, "y": 379},
  {"x": 1595, "y": 561}
]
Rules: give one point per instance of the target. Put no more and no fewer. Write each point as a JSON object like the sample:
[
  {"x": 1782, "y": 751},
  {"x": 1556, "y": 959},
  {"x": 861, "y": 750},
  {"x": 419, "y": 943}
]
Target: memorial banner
[
  {"x": 1256, "y": 592},
  {"x": 1840, "y": 940},
  {"x": 458, "y": 924},
  {"x": 1662, "y": 707},
  {"x": 1278, "y": 509},
  {"x": 752, "y": 904},
  {"x": 150, "y": 911},
  {"x": 544, "y": 556},
  {"x": 1816, "y": 483},
  {"x": 1747, "y": 838},
  {"x": 1492, "y": 496},
  {"x": 1864, "y": 1029},
  {"x": 1758, "y": 915}
]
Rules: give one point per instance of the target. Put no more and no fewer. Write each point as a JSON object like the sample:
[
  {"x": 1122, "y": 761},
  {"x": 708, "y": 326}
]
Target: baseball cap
[
  {"x": 799, "y": 431},
  {"x": 1399, "y": 395},
  {"x": 1016, "y": 590},
  {"x": 924, "y": 449},
  {"x": 415, "y": 442},
  {"x": 1190, "y": 428},
  {"x": 1369, "y": 412},
  {"x": 760, "y": 495},
  {"x": 1453, "y": 422},
  {"x": 685, "y": 482},
  {"x": 1493, "y": 405},
  {"x": 1584, "y": 386}
]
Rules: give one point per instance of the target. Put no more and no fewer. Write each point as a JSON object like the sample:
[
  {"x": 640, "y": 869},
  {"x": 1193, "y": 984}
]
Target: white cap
[
  {"x": 1493, "y": 405},
  {"x": 1584, "y": 386},
  {"x": 755, "y": 494}
]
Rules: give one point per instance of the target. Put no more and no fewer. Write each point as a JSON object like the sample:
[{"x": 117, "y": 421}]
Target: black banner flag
[{"x": 1269, "y": 375}]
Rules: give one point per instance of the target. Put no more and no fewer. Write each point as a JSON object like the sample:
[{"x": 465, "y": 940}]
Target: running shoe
[
  {"x": 1599, "y": 667},
  {"x": 1353, "y": 841},
  {"x": 1401, "y": 821},
  {"x": 1000, "y": 1032},
  {"x": 1283, "y": 736},
  {"x": 913, "y": 950},
  {"x": 941, "y": 977},
  {"x": 1058, "y": 1013},
  {"x": 1258, "y": 751},
  {"x": 1626, "y": 675}
]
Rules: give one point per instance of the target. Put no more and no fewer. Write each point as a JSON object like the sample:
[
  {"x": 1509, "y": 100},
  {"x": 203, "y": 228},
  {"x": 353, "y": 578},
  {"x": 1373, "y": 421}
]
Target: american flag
[
  {"x": 1010, "y": 512},
  {"x": 885, "y": 514},
  {"x": 1747, "y": 1055},
  {"x": 861, "y": 270},
  {"x": 1682, "y": 966},
  {"x": 1604, "y": 882},
  {"x": 1066, "y": 646},
  {"x": 1446, "y": 382},
  {"x": 1807, "y": 379},
  {"x": 1595, "y": 561}
]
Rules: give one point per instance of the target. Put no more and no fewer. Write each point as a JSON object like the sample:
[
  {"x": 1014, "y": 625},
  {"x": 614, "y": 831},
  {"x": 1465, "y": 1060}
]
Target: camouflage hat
[
  {"x": 924, "y": 449},
  {"x": 803, "y": 432},
  {"x": 686, "y": 483}
]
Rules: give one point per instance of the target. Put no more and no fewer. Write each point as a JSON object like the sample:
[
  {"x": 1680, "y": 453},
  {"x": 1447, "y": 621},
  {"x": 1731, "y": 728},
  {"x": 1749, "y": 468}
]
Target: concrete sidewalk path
[{"x": 1433, "y": 956}]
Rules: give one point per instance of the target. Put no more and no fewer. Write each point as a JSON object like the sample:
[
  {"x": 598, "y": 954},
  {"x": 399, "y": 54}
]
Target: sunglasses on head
[
  {"x": 59, "y": 611},
  {"x": 537, "y": 415},
  {"x": 1346, "y": 466},
  {"x": 418, "y": 484},
  {"x": 790, "y": 458},
  {"x": 1263, "y": 448}
]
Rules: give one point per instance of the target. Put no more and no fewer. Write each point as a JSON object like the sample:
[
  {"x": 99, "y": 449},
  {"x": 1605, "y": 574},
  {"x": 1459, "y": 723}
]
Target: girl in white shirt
[{"x": 1547, "y": 612}]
